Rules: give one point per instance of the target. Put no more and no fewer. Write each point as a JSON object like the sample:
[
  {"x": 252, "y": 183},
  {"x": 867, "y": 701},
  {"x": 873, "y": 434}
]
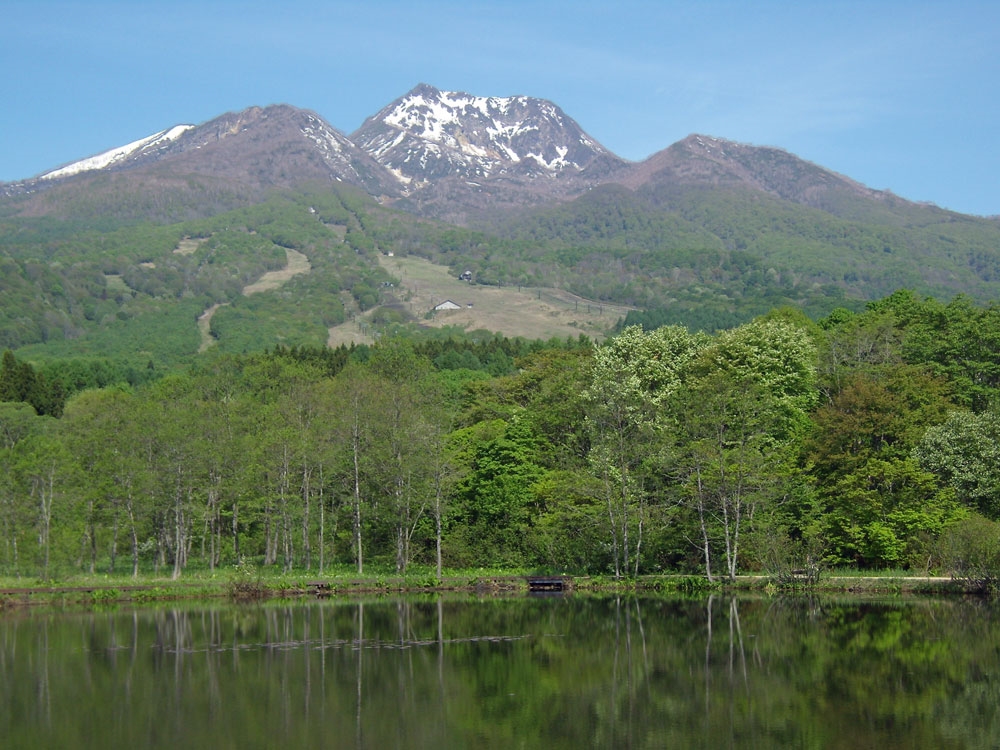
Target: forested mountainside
[
  {"x": 101, "y": 285},
  {"x": 123, "y": 253}
]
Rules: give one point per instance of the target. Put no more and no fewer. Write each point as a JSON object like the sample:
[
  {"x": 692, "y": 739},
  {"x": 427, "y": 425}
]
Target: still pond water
[{"x": 573, "y": 672}]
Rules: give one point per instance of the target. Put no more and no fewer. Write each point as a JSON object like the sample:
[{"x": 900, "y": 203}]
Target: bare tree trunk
[
  {"x": 178, "y": 533},
  {"x": 437, "y": 524},
  {"x": 623, "y": 514},
  {"x": 208, "y": 530},
  {"x": 356, "y": 449},
  {"x": 132, "y": 532},
  {"x": 45, "y": 488},
  {"x": 287, "y": 544},
  {"x": 322, "y": 522},
  {"x": 270, "y": 533},
  {"x": 236, "y": 530},
  {"x": 214, "y": 519},
  {"x": 402, "y": 510},
  {"x": 114, "y": 539},
  {"x": 306, "y": 492},
  {"x": 616, "y": 553},
  {"x": 160, "y": 526},
  {"x": 92, "y": 536},
  {"x": 704, "y": 528},
  {"x": 640, "y": 513}
]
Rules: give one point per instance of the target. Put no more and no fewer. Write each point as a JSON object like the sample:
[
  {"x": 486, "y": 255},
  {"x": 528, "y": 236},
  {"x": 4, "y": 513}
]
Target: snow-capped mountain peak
[
  {"x": 429, "y": 134},
  {"x": 116, "y": 155},
  {"x": 443, "y": 117}
]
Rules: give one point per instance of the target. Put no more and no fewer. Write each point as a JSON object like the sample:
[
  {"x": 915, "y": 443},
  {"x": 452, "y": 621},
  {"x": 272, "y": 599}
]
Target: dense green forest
[
  {"x": 862, "y": 439},
  {"x": 692, "y": 248}
]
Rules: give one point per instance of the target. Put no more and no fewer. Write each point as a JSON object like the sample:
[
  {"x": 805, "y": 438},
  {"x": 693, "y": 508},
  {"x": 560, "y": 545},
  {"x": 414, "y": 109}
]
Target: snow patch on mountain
[
  {"x": 119, "y": 154},
  {"x": 559, "y": 162},
  {"x": 480, "y": 127},
  {"x": 321, "y": 135}
]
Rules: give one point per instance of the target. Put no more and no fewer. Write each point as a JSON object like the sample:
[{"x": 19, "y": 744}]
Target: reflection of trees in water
[
  {"x": 736, "y": 663},
  {"x": 629, "y": 673},
  {"x": 485, "y": 669},
  {"x": 358, "y": 734},
  {"x": 610, "y": 672}
]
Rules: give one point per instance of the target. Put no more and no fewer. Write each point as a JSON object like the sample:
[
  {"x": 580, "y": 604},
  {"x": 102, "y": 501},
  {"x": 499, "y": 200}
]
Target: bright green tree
[
  {"x": 22, "y": 431},
  {"x": 42, "y": 469},
  {"x": 736, "y": 422},
  {"x": 633, "y": 375},
  {"x": 964, "y": 452},
  {"x": 732, "y": 460},
  {"x": 497, "y": 493},
  {"x": 103, "y": 430}
]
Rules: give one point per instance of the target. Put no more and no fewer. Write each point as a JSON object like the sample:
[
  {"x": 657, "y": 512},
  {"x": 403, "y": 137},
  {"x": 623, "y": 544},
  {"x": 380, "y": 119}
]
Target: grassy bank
[{"x": 248, "y": 583}]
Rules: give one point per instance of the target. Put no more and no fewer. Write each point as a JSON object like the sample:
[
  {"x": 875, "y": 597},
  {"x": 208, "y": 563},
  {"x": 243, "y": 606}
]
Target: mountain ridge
[{"x": 453, "y": 156}]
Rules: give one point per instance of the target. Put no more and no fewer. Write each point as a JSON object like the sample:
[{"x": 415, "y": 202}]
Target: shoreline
[{"x": 234, "y": 589}]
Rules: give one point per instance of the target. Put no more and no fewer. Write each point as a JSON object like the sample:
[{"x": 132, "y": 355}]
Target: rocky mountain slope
[
  {"x": 185, "y": 171},
  {"x": 429, "y": 134},
  {"x": 278, "y": 145},
  {"x": 705, "y": 161}
]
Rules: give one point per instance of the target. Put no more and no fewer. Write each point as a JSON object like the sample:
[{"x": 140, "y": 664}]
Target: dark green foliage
[
  {"x": 496, "y": 500},
  {"x": 74, "y": 375},
  {"x": 741, "y": 251},
  {"x": 330, "y": 361},
  {"x": 20, "y": 383}
]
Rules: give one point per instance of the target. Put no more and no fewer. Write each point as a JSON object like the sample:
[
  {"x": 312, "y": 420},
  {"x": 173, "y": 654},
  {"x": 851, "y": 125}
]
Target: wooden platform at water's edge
[{"x": 549, "y": 583}]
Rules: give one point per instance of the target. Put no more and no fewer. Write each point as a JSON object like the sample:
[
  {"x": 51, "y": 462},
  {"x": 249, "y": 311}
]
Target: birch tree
[
  {"x": 353, "y": 429},
  {"x": 18, "y": 422},
  {"x": 632, "y": 377},
  {"x": 728, "y": 461},
  {"x": 43, "y": 467},
  {"x": 740, "y": 412},
  {"x": 103, "y": 428}
]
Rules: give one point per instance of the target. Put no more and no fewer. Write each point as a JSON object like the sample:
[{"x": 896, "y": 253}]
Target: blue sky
[{"x": 898, "y": 95}]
